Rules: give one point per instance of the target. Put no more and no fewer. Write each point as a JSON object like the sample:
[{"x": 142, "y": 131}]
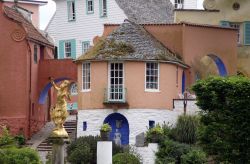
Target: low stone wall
[
  {"x": 15, "y": 124},
  {"x": 138, "y": 119},
  {"x": 147, "y": 153}
]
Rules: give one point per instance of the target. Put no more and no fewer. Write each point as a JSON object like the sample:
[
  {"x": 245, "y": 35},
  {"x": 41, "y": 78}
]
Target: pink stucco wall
[
  {"x": 19, "y": 81},
  {"x": 134, "y": 76}
]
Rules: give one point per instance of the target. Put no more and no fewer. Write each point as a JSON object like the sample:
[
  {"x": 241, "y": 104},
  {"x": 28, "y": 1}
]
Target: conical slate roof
[
  {"x": 148, "y": 11},
  {"x": 130, "y": 42}
]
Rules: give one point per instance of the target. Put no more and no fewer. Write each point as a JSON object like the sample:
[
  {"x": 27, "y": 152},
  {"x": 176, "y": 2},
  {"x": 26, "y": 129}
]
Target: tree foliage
[{"x": 225, "y": 105}]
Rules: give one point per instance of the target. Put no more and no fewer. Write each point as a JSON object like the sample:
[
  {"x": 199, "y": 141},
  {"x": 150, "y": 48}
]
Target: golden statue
[{"x": 59, "y": 112}]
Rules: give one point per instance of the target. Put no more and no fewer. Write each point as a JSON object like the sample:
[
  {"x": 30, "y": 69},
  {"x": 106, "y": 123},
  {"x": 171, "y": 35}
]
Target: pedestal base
[{"x": 58, "y": 149}]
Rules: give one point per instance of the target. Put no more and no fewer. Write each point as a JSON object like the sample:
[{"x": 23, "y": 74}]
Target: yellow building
[{"x": 226, "y": 13}]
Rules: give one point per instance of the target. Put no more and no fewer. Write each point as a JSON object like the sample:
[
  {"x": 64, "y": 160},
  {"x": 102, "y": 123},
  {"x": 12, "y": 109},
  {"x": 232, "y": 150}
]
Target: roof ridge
[{"x": 5, "y": 8}]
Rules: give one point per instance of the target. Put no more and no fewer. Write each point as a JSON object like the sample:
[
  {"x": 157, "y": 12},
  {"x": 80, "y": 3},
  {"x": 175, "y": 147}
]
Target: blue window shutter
[
  {"x": 73, "y": 48},
  {"x": 224, "y": 24},
  {"x": 61, "y": 49},
  {"x": 247, "y": 33}
]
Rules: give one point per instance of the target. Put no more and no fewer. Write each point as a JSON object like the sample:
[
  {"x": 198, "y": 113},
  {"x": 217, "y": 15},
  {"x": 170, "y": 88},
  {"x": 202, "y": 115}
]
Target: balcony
[{"x": 115, "y": 96}]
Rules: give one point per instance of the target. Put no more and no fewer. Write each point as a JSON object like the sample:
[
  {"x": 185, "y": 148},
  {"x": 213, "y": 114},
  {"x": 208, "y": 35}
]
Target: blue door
[{"x": 120, "y": 127}]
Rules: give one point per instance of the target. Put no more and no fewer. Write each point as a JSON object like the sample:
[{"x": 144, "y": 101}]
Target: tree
[{"x": 225, "y": 105}]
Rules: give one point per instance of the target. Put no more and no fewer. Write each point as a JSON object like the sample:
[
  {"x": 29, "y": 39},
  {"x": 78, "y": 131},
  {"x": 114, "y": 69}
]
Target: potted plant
[
  {"x": 105, "y": 131},
  {"x": 154, "y": 134}
]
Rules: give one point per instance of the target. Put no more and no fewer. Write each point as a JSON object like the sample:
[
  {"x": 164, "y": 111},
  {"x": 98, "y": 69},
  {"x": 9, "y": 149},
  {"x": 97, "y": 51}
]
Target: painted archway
[
  {"x": 44, "y": 93},
  {"x": 119, "y": 124},
  {"x": 220, "y": 65}
]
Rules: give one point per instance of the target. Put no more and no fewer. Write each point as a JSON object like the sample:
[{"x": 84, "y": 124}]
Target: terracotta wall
[
  {"x": 199, "y": 42},
  {"x": 14, "y": 65},
  {"x": 31, "y": 7},
  {"x": 137, "y": 97},
  {"x": 170, "y": 35}
]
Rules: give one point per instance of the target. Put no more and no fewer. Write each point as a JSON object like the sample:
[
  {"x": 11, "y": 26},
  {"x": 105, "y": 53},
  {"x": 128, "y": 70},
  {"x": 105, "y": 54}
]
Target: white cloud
[{"x": 46, "y": 12}]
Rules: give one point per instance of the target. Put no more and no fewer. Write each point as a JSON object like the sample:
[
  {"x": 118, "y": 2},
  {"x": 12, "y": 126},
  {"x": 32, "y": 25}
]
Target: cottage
[{"x": 131, "y": 76}]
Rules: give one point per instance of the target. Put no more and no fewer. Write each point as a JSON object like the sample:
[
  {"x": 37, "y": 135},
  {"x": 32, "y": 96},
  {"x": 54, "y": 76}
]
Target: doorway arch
[
  {"x": 119, "y": 123},
  {"x": 220, "y": 65},
  {"x": 44, "y": 93}
]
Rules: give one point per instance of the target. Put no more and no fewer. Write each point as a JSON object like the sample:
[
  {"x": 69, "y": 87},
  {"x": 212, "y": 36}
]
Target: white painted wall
[
  {"x": 138, "y": 119},
  {"x": 86, "y": 26},
  {"x": 189, "y": 4},
  {"x": 147, "y": 153}
]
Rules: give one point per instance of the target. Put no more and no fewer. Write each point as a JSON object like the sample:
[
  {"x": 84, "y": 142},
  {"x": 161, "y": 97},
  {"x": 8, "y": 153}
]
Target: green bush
[
  {"x": 186, "y": 129},
  {"x": 6, "y": 139},
  {"x": 155, "y": 134},
  {"x": 125, "y": 158},
  {"x": 86, "y": 145},
  {"x": 194, "y": 156},
  {"x": 20, "y": 139},
  {"x": 19, "y": 156},
  {"x": 81, "y": 154},
  {"x": 225, "y": 117},
  {"x": 171, "y": 151}
]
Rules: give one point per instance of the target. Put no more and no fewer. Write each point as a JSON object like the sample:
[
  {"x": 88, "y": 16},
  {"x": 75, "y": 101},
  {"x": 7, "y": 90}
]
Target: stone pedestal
[
  {"x": 104, "y": 152},
  {"x": 58, "y": 149}
]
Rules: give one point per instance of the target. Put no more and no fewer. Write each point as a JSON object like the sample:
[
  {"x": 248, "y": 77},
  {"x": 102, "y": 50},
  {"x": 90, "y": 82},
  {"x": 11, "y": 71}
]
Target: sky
[{"x": 47, "y": 11}]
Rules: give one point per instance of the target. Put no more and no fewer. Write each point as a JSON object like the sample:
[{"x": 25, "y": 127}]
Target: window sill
[
  {"x": 152, "y": 90},
  {"x": 88, "y": 90}
]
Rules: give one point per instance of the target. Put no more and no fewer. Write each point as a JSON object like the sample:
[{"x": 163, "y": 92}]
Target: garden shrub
[
  {"x": 6, "y": 139},
  {"x": 19, "y": 156},
  {"x": 125, "y": 158},
  {"x": 155, "y": 134},
  {"x": 81, "y": 154},
  {"x": 20, "y": 140},
  {"x": 86, "y": 145},
  {"x": 171, "y": 151},
  {"x": 186, "y": 128},
  {"x": 194, "y": 156},
  {"x": 225, "y": 117}
]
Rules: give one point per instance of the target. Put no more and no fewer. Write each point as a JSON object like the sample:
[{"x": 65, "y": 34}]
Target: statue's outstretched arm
[{"x": 54, "y": 84}]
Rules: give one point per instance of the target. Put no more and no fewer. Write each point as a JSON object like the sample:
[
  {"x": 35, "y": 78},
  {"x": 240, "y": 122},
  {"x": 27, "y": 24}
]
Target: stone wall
[
  {"x": 16, "y": 125},
  {"x": 138, "y": 119},
  {"x": 147, "y": 153}
]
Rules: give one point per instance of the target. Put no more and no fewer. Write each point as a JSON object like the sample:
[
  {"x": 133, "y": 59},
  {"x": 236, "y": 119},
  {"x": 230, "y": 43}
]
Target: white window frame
[
  {"x": 109, "y": 82},
  {"x": 90, "y": 6},
  {"x": 73, "y": 89},
  {"x": 71, "y": 10},
  {"x": 238, "y": 27},
  {"x": 158, "y": 78},
  {"x": 102, "y": 10},
  {"x": 86, "y": 80},
  {"x": 67, "y": 49},
  {"x": 85, "y": 49},
  {"x": 178, "y": 4}
]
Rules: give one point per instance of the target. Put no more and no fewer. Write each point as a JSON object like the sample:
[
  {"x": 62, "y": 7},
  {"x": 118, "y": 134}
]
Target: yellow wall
[{"x": 225, "y": 13}]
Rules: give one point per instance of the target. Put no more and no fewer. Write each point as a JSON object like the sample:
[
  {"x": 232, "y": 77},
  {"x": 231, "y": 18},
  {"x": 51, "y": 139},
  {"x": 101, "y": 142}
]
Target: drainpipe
[{"x": 29, "y": 114}]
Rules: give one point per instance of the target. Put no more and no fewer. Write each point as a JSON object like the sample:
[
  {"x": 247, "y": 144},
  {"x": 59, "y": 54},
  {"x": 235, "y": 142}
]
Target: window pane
[
  {"x": 86, "y": 76},
  {"x": 151, "y": 75}
]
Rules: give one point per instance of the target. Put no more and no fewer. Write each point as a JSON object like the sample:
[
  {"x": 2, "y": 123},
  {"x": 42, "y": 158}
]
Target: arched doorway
[
  {"x": 44, "y": 93},
  {"x": 183, "y": 87},
  {"x": 119, "y": 124},
  {"x": 220, "y": 65},
  {"x": 209, "y": 65}
]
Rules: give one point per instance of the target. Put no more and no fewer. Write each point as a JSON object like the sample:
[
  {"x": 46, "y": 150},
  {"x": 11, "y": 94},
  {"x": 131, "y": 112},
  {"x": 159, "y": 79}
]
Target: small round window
[
  {"x": 73, "y": 89},
  {"x": 236, "y": 6}
]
